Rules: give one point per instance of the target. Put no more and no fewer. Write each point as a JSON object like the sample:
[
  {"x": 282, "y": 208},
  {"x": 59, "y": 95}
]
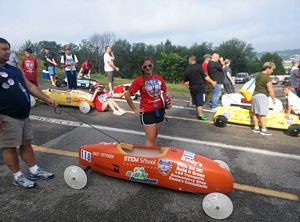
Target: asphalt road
[{"x": 271, "y": 163}]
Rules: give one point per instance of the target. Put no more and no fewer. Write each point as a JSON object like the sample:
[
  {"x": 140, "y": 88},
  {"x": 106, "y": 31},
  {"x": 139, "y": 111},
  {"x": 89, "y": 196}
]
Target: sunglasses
[{"x": 150, "y": 66}]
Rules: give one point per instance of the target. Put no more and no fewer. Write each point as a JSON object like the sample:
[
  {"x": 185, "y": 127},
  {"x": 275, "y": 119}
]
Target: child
[
  {"x": 103, "y": 100},
  {"x": 293, "y": 101},
  {"x": 30, "y": 66}
]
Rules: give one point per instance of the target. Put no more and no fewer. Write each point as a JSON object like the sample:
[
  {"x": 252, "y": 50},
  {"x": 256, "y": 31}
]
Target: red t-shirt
[
  {"x": 150, "y": 88},
  {"x": 86, "y": 67},
  {"x": 204, "y": 67},
  {"x": 101, "y": 98},
  {"x": 119, "y": 89},
  {"x": 30, "y": 66}
]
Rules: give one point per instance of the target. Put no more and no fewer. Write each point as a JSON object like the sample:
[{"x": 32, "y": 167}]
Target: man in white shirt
[
  {"x": 109, "y": 67},
  {"x": 292, "y": 99},
  {"x": 68, "y": 63}
]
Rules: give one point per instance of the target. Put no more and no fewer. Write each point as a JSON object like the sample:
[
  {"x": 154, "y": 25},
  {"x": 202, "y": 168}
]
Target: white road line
[
  {"x": 177, "y": 107},
  {"x": 180, "y": 139}
]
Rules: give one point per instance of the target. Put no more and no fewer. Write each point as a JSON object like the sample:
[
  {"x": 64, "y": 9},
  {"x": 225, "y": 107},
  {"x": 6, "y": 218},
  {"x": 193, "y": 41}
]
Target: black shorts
[
  {"x": 148, "y": 118},
  {"x": 198, "y": 99}
]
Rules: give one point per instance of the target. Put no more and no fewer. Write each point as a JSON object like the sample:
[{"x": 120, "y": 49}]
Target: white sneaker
[
  {"x": 116, "y": 112},
  {"x": 122, "y": 111}
]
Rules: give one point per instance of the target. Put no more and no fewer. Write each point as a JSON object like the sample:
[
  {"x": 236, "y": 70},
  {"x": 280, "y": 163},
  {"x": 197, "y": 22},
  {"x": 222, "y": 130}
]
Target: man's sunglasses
[{"x": 147, "y": 66}]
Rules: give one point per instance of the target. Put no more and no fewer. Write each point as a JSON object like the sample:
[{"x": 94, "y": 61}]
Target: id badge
[{"x": 156, "y": 112}]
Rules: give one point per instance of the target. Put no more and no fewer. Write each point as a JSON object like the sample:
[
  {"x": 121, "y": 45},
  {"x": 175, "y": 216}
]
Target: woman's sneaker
[
  {"x": 116, "y": 112},
  {"x": 40, "y": 174},
  {"x": 265, "y": 133},
  {"x": 22, "y": 181},
  {"x": 122, "y": 111},
  {"x": 256, "y": 130}
]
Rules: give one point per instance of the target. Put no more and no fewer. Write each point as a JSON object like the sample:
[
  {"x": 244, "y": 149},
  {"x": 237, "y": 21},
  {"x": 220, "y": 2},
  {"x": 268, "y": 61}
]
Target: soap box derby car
[
  {"x": 239, "y": 115},
  {"x": 167, "y": 167},
  {"x": 76, "y": 98}
]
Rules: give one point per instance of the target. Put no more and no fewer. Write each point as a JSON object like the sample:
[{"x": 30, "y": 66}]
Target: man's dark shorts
[
  {"x": 110, "y": 76},
  {"x": 149, "y": 118},
  {"x": 198, "y": 99}
]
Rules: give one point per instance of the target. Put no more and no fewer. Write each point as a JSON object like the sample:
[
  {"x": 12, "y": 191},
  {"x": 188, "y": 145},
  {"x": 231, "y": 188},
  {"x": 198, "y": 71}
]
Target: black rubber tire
[
  {"x": 220, "y": 121},
  {"x": 294, "y": 130}
]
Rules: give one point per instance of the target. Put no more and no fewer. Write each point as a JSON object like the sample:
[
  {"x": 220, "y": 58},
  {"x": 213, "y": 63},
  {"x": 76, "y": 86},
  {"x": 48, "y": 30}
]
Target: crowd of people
[{"x": 205, "y": 82}]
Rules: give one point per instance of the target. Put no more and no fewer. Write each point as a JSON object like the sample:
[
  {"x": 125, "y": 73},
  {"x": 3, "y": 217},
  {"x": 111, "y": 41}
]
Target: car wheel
[
  {"x": 84, "y": 107},
  {"x": 294, "y": 130},
  {"x": 58, "y": 83},
  {"x": 220, "y": 121}
]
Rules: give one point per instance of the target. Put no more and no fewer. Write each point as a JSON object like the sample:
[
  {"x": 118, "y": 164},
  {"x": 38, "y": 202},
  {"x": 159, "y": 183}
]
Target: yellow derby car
[
  {"x": 239, "y": 115},
  {"x": 75, "y": 98}
]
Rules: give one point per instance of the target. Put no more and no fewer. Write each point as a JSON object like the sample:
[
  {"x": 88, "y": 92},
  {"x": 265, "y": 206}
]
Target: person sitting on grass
[
  {"x": 293, "y": 101},
  {"x": 103, "y": 101},
  {"x": 85, "y": 70}
]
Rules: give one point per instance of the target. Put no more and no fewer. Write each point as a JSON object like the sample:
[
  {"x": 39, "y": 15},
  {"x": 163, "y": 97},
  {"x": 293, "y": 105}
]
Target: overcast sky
[{"x": 268, "y": 25}]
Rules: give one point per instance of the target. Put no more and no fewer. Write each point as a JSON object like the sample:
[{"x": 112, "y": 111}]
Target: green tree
[
  {"x": 171, "y": 66},
  {"x": 241, "y": 54},
  {"x": 273, "y": 57},
  {"x": 122, "y": 51},
  {"x": 200, "y": 50}
]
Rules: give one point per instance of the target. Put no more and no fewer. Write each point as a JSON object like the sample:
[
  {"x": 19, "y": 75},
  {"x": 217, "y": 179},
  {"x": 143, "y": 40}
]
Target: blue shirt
[{"x": 14, "y": 96}]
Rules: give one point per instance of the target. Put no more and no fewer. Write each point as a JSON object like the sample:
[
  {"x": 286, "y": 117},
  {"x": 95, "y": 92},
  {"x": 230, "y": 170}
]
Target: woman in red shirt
[
  {"x": 30, "y": 66},
  {"x": 151, "y": 108}
]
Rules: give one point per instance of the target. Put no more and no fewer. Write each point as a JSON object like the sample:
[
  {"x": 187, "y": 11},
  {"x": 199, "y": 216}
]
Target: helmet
[
  {"x": 166, "y": 100},
  {"x": 220, "y": 121},
  {"x": 294, "y": 130}
]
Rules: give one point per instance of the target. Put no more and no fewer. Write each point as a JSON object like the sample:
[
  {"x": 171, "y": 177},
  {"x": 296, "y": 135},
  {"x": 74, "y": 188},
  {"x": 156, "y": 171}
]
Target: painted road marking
[
  {"x": 180, "y": 139},
  {"x": 177, "y": 107},
  {"x": 237, "y": 186}
]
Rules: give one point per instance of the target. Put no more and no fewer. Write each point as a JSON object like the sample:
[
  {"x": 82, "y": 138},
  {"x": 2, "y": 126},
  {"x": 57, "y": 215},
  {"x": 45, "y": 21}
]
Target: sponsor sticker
[
  {"x": 164, "y": 166},
  {"x": 140, "y": 175}
]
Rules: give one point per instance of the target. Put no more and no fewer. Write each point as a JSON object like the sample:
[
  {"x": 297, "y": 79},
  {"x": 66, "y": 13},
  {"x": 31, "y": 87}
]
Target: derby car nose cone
[
  {"x": 84, "y": 107},
  {"x": 223, "y": 164},
  {"x": 75, "y": 177},
  {"x": 217, "y": 206}
]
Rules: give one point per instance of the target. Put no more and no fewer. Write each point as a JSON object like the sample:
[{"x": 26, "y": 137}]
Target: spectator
[
  {"x": 207, "y": 85},
  {"x": 103, "y": 100},
  {"x": 293, "y": 101},
  {"x": 30, "y": 66},
  {"x": 85, "y": 70},
  {"x": 228, "y": 80},
  {"x": 120, "y": 91},
  {"x": 194, "y": 77},
  {"x": 68, "y": 63},
  {"x": 295, "y": 77},
  {"x": 151, "y": 108},
  {"x": 109, "y": 67},
  {"x": 215, "y": 72},
  {"x": 50, "y": 64},
  {"x": 260, "y": 103},
  {"x": 15, "y": 124},
  {"x": 13, "y": 60}
]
